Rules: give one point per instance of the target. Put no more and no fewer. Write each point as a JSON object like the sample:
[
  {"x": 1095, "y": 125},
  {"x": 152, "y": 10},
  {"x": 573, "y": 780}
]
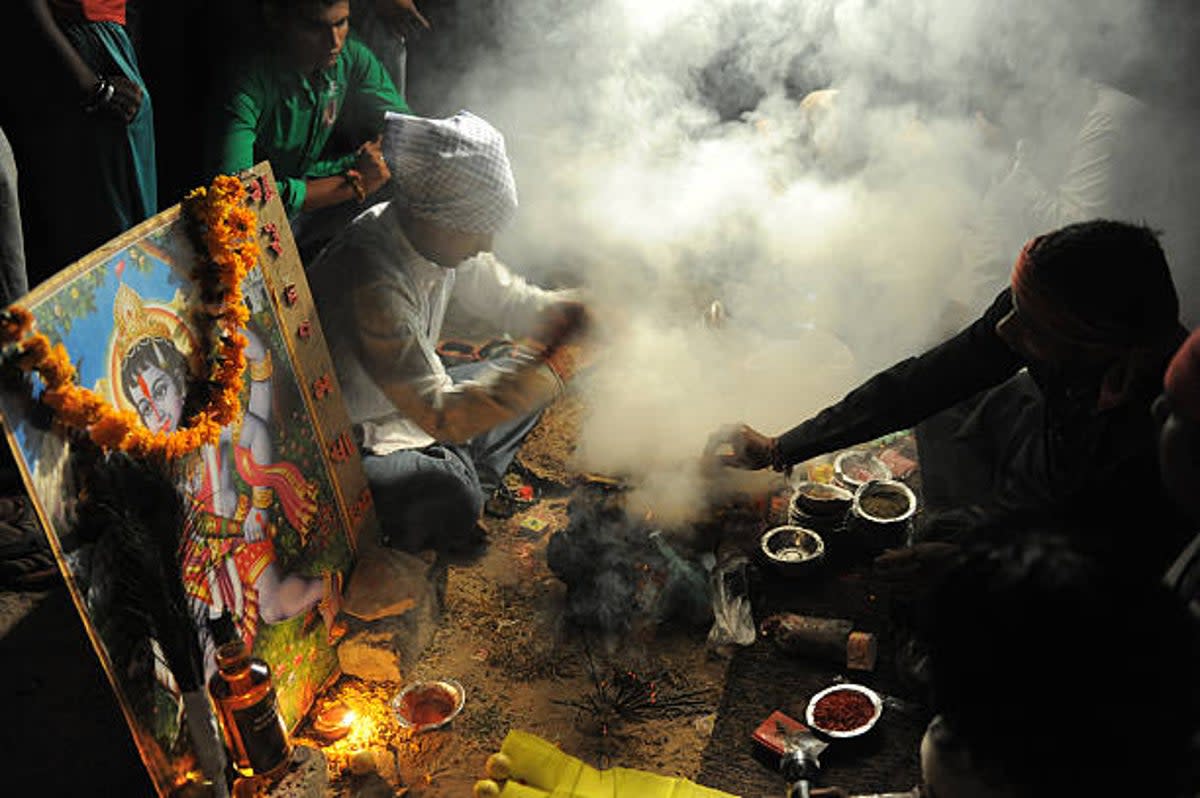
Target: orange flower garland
[{"x": 229, "y": 232}]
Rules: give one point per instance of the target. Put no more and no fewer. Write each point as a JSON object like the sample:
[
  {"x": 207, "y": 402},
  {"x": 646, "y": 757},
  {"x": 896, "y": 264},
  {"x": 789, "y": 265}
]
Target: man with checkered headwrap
[{"x": 436, "y": 441}]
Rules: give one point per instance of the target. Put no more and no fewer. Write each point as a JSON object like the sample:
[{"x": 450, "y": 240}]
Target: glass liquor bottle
[{"x": 244, "y": 696}]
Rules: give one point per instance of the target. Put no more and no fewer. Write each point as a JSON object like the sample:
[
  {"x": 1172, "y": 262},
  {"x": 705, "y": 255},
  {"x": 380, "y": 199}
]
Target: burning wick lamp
[
  {"x": 349, "y": 730},
  {"x": 333, "y": 722}
]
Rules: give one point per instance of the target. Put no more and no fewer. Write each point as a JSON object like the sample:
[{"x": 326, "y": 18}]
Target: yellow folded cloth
[{"x": 539, "y": 769}]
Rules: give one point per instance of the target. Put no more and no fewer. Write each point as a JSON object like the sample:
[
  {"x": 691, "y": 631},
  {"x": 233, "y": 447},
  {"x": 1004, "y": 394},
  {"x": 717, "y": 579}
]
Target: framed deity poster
[{"x": 190, "y": 459}]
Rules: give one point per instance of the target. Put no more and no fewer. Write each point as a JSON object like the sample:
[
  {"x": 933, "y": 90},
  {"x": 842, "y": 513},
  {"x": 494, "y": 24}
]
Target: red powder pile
[
  {"x": 432, "y": 704},
  {"x": 843, "y": 710}
]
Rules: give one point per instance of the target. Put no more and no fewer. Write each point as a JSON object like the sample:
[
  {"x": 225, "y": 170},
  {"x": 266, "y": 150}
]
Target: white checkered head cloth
[{"x": 451, "y": 171}]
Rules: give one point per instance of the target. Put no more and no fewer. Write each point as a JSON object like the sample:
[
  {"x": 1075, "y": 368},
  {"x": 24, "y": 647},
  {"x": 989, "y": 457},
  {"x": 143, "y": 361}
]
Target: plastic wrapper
[{"x": 733, "y": 621}]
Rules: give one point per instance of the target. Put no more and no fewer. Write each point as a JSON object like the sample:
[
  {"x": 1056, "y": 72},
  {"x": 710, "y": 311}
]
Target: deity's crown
[{"x": 132, "y": 321}]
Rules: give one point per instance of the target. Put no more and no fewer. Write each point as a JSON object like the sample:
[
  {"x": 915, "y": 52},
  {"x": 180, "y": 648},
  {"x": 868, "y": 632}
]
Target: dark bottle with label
[{"x": 245, "y": 700}]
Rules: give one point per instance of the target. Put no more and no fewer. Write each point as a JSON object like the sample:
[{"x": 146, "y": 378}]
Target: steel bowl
[
  {"x": 820, "y": 499},
  {"x": 424, "y": 706},
  {"x": 792, "y": 550},
  {"x": 876, "y": 704},
  {"x": 875, "y": 500},
  {"x": 881, "y": 514},
  {"x": 854, "y": 467}
]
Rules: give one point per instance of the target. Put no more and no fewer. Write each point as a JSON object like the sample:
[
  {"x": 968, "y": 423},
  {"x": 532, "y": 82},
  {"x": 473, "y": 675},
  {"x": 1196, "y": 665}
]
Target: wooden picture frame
[{"x": 309, "y": 495}]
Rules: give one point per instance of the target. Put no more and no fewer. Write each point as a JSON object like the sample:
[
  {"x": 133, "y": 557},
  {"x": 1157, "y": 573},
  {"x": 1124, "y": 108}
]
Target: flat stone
[
  {"x": 385, "y": 649},
  {"x": 385, "y": 583}
]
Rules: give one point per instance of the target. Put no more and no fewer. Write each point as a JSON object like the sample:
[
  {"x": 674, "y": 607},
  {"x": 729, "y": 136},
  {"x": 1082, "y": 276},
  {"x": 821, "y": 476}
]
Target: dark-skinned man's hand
[
  {"x": 559, "y": 337},
  {"x": 740, "y": 446},
  {"x": 125, "y": 101},
  {"x": 372, "y": 166},
  {"x": 916, "y": 567},
  {"x": 563, "y": 322}
]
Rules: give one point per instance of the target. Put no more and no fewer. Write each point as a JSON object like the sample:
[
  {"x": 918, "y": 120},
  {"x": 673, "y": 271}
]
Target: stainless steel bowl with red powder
[
  {"x": 423, "y": 706},
  {"x": 844, "y": 710}
]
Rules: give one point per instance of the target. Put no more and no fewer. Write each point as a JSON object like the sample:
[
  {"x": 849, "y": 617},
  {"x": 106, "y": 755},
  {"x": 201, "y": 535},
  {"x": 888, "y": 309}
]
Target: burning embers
[{"x": 624, "y": 575}]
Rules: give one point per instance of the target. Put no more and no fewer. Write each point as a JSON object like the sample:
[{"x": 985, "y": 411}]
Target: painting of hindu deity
[{"x": 270, "y": 509}]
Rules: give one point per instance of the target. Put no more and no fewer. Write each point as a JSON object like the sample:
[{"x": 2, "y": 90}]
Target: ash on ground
[{"x": 625, "y": 575}]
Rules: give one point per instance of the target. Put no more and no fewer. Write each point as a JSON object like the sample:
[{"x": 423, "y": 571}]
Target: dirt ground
[{"x": 502, "y": 637}]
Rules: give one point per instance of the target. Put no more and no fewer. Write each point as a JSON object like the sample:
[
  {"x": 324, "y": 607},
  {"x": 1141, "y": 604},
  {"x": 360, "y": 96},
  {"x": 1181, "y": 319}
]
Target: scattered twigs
[{"x": 624, "y": 695}]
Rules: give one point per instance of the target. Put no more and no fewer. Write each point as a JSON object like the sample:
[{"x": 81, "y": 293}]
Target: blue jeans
[{"x": 431, "y": 497}]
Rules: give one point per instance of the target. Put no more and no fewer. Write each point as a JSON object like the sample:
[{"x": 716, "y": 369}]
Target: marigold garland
[{"x": 228, "y": 230}]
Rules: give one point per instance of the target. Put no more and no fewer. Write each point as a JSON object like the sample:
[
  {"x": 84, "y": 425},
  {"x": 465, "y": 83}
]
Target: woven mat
[{"x": 761, "y": 678}]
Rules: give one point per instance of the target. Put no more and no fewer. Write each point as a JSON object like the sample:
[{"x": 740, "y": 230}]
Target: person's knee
[{"x": 427, "y": 510}]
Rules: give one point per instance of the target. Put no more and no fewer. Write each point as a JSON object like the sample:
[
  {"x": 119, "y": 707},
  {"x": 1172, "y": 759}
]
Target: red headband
[
  {"x": 1182, "y": 380},
  {"x": 1038, "y": 303}
]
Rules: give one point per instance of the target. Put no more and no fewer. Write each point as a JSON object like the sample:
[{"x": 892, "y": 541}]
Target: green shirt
[{"x": 287, "y": 117}]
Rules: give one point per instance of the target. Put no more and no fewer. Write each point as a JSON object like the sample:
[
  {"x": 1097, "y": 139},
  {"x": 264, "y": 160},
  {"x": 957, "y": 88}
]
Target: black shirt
[{"x": 1086, "y": 471}]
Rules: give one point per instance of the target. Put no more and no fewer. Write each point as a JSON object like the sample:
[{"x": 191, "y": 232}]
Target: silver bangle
[{"x": 101, "y": 96}]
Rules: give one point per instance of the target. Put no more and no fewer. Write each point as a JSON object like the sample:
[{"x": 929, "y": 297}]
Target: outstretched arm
[
  {"x": 910, "y": 391},
  {"x": 896, "y": 398},
  {"x": 257, "y": 438},
  {"x": 403, "y": 362},
  {"x": 273, "y": 484}
]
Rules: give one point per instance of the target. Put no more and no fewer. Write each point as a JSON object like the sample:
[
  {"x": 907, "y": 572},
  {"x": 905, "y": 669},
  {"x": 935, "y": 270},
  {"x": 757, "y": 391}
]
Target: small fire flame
[
  {"x": 364, "y": 727},
  {"x": 352, "y": 719},
  {"x": 362, "y": 731}
]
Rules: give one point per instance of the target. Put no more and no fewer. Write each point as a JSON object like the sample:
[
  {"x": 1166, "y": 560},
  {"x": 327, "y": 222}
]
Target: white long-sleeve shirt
[
  {"x": 382, "y": 306},
  {"x": 1094, "y": 182},
  {"x": 1106, "y": 174}
]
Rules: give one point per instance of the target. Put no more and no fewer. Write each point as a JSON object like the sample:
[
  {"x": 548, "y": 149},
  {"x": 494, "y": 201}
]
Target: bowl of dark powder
[{"x": 881, "y": 512}]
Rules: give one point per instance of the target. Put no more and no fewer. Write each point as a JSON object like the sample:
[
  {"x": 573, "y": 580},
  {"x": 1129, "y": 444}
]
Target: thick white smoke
[{"x": 666, "y": 157}]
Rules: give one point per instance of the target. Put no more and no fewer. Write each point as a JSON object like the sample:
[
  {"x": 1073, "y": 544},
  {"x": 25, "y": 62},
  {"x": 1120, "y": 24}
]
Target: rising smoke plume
[{"x": 669, "y": 154}]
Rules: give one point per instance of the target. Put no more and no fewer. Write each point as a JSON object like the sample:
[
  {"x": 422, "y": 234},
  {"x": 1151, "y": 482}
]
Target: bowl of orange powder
[
  {"x": 844, "y": 710},
  {"x": 424, "y": 706}
]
